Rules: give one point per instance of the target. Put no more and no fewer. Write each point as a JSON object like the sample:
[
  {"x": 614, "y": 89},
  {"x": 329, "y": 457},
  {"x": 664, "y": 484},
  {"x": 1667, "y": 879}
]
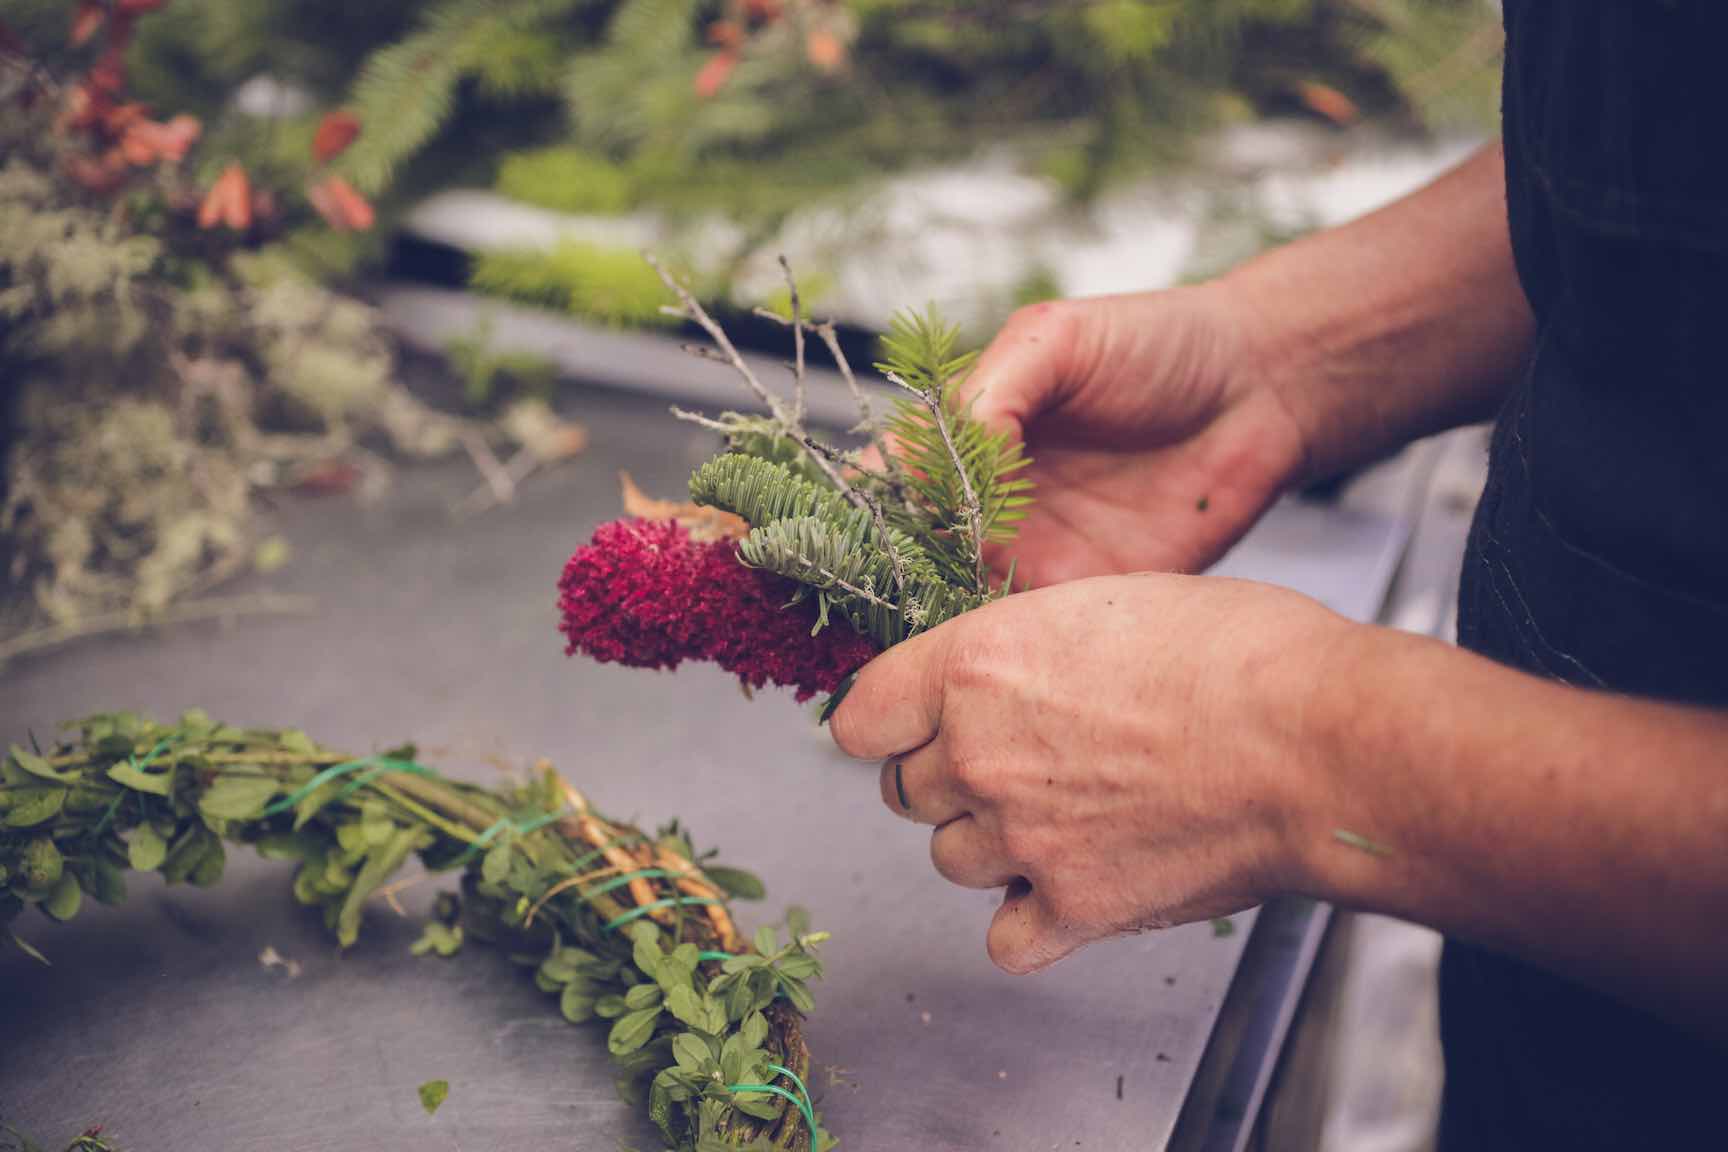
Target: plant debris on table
[{"x": 620, "y": 926}]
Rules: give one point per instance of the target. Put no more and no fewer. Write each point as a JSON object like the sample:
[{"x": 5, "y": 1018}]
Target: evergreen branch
[
  {"x": 763, "y": 492},
  {"x": 933, "y": 400}
]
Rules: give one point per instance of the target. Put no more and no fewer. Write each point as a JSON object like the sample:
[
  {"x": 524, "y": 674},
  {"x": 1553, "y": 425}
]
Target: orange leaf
[
  {"x": 336, "y": 132},
  {"x": 825, "y": 50},
  {"x": 86, "y": 19},
  {"x": 1330, "y": 103},
  {"x": 229, "y": 201},
  {"x": 147, "y": 141},
  {"x": 715, "y": 73},
  {"x": 342, "y": 208}
]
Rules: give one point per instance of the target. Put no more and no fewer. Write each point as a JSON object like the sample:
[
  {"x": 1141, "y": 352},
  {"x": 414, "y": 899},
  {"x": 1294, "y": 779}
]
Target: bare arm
[
  {"x": 1406, "y": 322},
  {"x": 1138, "y": 751},
  {"x": 1585, "y": 831}
]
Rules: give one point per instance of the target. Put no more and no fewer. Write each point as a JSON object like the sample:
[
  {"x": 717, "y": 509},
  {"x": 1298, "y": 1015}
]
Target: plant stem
[
  {"x": 791, "y": 425},
  {"x": 933, "y": 400}
]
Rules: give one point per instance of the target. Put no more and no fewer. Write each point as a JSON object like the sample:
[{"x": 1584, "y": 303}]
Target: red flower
[{"x": 643, "y": 593}]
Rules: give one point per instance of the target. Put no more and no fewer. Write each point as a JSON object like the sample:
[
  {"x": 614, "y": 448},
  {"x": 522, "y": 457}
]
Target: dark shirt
[{"x": 1599, "y": 553}]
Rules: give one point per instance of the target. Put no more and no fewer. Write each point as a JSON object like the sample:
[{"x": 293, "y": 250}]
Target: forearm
[
  {"x": 1586, "y": 832},
  {"x": 1406, "y": 322}
]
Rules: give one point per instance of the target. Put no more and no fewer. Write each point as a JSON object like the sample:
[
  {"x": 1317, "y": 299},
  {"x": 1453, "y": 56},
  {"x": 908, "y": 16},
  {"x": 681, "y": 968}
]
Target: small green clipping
[
  {"x": 1222, "y": 927},
  {"x": 1360, "y": 842},
  {"x": 432, "y": 1094}
]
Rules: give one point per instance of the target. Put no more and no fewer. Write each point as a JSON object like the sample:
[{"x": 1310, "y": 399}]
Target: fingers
[
  {"x": 1025, "y": 936},
  {"x": 1024, "y": 370},
  {"x": 965, "y": 853},
  {"x": 919, "y": 787},
  {"x": 895, "y": 705}
]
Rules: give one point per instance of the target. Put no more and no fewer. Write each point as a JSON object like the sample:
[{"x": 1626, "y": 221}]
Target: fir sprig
[{"x": 629, "y": 928}]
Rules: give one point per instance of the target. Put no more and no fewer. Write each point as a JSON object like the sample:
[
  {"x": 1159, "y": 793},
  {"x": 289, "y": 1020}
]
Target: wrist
[
  {"x": 1265, "y": 360},
  {"x": 1336, "y": 828}
]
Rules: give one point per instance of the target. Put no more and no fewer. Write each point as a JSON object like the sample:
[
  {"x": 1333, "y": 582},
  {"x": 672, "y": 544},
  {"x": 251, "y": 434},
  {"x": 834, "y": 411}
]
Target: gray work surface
[{"x": 158, "y": 1021}]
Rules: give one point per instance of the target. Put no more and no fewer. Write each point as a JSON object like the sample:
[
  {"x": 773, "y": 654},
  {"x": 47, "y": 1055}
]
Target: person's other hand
[
  {"x": 1154, "y": 447},
  {"x": 1120, "y": 753}
]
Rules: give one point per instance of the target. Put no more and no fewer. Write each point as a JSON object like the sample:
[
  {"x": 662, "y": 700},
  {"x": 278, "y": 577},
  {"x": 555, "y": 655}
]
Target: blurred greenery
[
  {"x": 754, "y": 109},
  {"x": 815, "y": 94}
]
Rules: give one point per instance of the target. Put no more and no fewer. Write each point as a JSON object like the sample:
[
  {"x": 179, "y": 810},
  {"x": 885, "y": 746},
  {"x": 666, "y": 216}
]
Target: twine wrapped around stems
[{"x": 628, "y": 927}]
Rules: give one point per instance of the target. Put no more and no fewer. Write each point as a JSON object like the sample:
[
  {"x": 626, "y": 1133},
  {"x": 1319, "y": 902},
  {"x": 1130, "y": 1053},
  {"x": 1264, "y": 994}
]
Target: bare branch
[
  {"x": 703, "y": 352},
  {"x": 845, "y": 586},
  {"x": 797, "y": 341},
  {"x": 704, "y": 421},
  {"x": 791, "y": 425},
  {"x": 887, "y": 543},
  {"x": 831, "y": 338},
  {"x": 690, "y": 309}
]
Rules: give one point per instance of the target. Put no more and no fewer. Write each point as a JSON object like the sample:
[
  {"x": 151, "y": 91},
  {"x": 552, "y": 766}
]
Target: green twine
[
  {"x": 618, "y": 882},
  {"x": 522, "y": 828},
  {"x": 375, "y": 766},
  {"x": 643, "y": 910},
  {"x": 715, "y": 956},
  {"x": 114, "y": 806},
  {"x": 802, "y": 1099},
  {"x": 582, "y": 862}
]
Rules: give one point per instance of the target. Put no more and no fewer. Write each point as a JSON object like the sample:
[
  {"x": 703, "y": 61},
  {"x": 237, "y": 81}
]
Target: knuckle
[
  {"x": 976, "y": 657},
  {"x": 970, "y": 772},
  {"x": 1045, "y": 316}
]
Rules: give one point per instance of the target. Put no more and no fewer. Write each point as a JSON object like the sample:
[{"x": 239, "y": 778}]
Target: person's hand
[
  {"x": 1120, "y": 753},
  {"x": 1154, "y": 446}
]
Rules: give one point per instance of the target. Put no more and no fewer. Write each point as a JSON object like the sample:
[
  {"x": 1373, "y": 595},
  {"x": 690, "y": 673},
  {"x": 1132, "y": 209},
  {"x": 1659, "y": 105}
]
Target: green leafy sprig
[
  {"x": 894, "y": 542},
  {"x": 621, "y": 926}
]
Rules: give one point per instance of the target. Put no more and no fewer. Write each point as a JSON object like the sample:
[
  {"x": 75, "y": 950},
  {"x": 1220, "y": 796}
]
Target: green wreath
[{"x": 619, "y": 925}]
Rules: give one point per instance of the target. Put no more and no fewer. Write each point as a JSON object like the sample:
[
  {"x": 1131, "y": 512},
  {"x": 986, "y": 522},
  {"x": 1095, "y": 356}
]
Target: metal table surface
[{"x": 158, "y": 1021}]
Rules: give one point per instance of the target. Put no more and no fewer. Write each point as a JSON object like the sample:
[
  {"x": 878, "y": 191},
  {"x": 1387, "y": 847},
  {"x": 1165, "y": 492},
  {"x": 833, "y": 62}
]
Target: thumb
[{"x": 1026, "y": 368}]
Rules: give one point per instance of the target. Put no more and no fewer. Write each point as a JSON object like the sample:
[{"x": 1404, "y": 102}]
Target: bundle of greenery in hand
[
  {"x": 619, "y": 925},
  {"x": 889, "y": 542}
]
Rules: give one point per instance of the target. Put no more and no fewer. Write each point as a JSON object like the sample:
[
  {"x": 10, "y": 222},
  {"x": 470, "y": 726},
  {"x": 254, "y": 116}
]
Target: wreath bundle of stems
[{"x": 619, "y": 925}]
